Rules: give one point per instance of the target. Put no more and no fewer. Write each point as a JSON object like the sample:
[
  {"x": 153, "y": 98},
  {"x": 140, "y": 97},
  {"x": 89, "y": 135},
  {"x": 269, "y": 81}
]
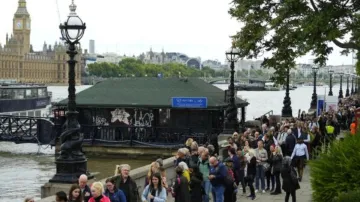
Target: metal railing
[{"x": 140, "y": 136}]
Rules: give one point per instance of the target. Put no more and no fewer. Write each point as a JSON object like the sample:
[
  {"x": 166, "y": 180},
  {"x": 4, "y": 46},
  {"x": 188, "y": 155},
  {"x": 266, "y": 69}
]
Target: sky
[{"x": 198, "y": 28}]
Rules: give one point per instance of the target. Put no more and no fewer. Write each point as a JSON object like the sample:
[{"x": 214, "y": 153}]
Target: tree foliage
[
  {"x": 130, "y": 67},
  {"x": 292, "y": 28},
  {"x": 336, "y": 171}
]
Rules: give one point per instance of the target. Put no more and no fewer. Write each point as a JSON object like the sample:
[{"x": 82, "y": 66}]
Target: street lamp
[
  {"x": 231, "y": 120},
  {"x": 71, "y": 162},
  {"x": 331, "y": 72},
  {"x": 341, "y": 91},
  {"x": 347, "y": 94},
  {"x": 313, "y": 104},
  {"x": 286, "y": 110},
  {"x": 352, "y": 84}
]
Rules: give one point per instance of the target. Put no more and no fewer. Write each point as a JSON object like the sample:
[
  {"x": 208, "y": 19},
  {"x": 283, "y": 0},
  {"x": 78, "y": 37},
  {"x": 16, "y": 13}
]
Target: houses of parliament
[{"x": 18, "y": 60}]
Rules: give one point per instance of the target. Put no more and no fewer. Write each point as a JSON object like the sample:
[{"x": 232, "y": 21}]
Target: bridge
[{"x": 226, "y": 80}]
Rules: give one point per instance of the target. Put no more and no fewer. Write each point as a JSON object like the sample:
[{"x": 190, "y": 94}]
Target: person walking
[{"x": 290, "y": 181}]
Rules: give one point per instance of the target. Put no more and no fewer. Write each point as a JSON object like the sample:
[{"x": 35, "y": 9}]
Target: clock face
[{"x": 18, "y": 24}]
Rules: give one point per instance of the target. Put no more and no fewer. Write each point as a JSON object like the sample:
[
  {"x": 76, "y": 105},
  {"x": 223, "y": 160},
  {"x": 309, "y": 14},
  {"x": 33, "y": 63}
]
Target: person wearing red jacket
[{"x": 97, "y": 190}]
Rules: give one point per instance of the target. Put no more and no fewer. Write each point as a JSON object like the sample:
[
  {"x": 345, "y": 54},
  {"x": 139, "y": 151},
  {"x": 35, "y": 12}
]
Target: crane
[{"x": 58, "y": 12}]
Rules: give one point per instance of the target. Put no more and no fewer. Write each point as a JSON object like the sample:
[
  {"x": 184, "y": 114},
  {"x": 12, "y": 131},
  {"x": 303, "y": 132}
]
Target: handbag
[{"x": 266, "y": 166}]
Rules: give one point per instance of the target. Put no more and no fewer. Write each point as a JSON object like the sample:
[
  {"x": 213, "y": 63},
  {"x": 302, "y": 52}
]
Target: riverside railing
[{"x": 141, "y": 136}]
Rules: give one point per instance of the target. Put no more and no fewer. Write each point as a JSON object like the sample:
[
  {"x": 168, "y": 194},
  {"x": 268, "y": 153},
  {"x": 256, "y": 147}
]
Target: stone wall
[{"x": 49, "y": 189}]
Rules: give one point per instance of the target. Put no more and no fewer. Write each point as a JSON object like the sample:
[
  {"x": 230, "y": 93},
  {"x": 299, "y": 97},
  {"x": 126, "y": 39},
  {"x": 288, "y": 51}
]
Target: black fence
[
  {"x": 23, "y": 129},
  {"x": 140, "y": 136}
]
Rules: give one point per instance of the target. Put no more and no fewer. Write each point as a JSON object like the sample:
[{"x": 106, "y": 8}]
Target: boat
[
  {"x": 24, "y": 99},
  {"x": 271, "y": 86}
]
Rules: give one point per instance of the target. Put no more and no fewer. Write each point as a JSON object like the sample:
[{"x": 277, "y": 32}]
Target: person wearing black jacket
[
  {"x": 250, "y": 176},
  {"x": 290, "y": 143},
  {"x": 196, "y": 180},
  {"x": 85, "y": 189}
]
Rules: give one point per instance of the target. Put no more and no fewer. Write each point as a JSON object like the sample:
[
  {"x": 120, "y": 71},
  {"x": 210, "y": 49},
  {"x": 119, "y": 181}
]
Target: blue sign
[
  {"x": 189, "y": 102},
  {"x": 320, "y": 104}
]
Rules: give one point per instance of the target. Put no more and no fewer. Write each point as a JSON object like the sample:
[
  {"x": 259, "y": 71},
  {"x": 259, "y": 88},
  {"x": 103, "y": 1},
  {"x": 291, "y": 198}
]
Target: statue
[{"x": 71, "y": 140}]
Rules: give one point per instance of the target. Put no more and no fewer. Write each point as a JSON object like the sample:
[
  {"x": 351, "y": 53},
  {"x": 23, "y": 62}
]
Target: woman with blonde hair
[
  {"x": 276, "y": 160},
  {"x": 154, "y": 168},
  {"x": 188, "y": 143},
  {"x": 97, "y": 190}
]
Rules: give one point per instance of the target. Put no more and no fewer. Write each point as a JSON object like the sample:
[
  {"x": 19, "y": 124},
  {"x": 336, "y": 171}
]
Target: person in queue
[
  {"x": 85, "y": 189},
  {"x": 154, "y": 191},
  {"x": 113, "y": 193},
  {"x": 180, "y": 190},
  {"x": 154, "y": 168},
  {"x": 218, "y": 173},
  {"x": 61, "y": 197},
  {"x": 261, "y": 158},
  {"x": 204, "y": 167},
  {"x": 75, "y": 194},
  {"x": 97, "y": 190},
  {"x": 299, "y": 156},
  {"x": 196, "y": 179},
  {"x": 290, "y": 183},
  {"x": 124, "y": 182}
]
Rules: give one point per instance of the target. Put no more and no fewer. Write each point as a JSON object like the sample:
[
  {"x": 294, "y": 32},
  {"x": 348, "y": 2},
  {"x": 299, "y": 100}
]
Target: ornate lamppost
[
  {"x": 287, "y": 110},
  {"x": 341, "y": 91},
  {"x": 357, "y": 84},
  {"x": 352, "y": 85},
  {"x": 71, "y": 162},
  {"x": 331, "y": 72},
  {"x": 231, "y": 123},
  {"x": 347, "y": 94},
  {"x": 313, "y": 104}
]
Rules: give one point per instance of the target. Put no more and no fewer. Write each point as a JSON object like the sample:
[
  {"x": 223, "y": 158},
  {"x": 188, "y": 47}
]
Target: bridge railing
[
  {"x": 24, "y": 129},
  {"x": 141, "y": 136}
]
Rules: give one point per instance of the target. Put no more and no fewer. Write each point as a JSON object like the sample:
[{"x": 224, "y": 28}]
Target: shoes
[
  {"x": 263, "y": 191},
  {"x": 300, "y": 178},
  {"x": 252, "y": 197},
  {"x": 275, "y": 193},
  {"x": 256, "y": 191},
  {"x": 267, "y": 189}
]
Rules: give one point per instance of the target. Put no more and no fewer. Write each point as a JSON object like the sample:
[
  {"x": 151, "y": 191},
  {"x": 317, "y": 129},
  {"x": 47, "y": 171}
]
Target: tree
[{"x": 292, "y": 28}]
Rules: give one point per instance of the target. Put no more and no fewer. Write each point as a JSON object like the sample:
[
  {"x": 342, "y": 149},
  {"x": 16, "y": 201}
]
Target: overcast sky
[{"x": 198, "y": 28}]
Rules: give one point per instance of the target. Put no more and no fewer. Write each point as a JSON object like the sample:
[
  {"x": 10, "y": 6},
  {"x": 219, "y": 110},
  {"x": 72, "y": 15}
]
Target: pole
[
  {"x": 287, "y": 110},
  {"x": 313, "y": 104},
  {"x": 231, "y": 122},
  {"x": 330, "y": 90},
  {"x": 347, "y": 94},
  {"x": 340, "y": 91},
  {"x": 352, "y": 85}
]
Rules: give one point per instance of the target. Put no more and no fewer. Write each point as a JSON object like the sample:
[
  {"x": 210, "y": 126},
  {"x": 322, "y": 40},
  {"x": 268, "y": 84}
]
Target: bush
[
  {"x": 336, "y": 171},
  {"x": 352, "y": 196}
]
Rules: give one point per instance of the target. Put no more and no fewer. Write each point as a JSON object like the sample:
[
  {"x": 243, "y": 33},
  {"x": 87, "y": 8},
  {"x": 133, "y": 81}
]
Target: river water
[{"x": 25, "y": 168}]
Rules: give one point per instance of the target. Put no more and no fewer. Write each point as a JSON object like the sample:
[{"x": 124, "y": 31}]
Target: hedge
[
  {"x": 352, "y": 196},
  {"x": 337, "y": 170}
]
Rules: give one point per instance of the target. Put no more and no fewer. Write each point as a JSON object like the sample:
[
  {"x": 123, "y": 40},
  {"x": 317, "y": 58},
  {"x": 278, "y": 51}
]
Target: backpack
[{"x": 229, "y": 179}]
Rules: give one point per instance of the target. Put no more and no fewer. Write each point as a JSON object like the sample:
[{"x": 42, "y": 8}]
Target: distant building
[
  {"x": 306, "y": 69},
  {"x": 18, "y": 61},
  {"x": 92, "y": 46},
  {"x": 110, "y": 58},
  {"x": 169, "y": 57},
  {"x": 213, "y": 64},
  {"x": 248, "y": 64}
]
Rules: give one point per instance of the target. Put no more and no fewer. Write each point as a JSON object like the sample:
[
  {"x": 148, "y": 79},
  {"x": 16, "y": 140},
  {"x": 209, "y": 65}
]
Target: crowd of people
[{"x": 261, "y": 160}]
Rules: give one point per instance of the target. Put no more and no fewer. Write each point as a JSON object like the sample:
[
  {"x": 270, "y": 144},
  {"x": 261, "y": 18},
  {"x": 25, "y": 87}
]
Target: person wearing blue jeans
[
  {"x": 218, "y": 173},
  {"x": 207, "y": 188},
  {"x": 260, "y": 177},
  {"x": 261, "y": 159}
]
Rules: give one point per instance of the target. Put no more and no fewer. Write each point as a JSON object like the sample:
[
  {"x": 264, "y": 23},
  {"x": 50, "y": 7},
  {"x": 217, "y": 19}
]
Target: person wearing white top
[{"x": 299, "y": 155}]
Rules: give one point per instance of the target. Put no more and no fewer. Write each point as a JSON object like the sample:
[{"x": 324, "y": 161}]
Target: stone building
[
  {"x": 18, "y": 61},
  {"x": 170, "y": 57}
]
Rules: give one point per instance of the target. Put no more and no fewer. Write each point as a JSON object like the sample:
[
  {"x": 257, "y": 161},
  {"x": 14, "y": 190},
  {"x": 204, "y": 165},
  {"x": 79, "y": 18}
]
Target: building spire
[{"x": 22, "y": 8}]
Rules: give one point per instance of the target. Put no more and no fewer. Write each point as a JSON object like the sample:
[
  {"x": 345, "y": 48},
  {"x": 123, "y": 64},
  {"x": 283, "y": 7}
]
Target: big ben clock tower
[{"x": 21, "y": 27}]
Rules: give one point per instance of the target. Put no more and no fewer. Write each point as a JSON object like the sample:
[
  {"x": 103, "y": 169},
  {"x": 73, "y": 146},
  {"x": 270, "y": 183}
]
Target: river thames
[{"x": 25, "y": 168}]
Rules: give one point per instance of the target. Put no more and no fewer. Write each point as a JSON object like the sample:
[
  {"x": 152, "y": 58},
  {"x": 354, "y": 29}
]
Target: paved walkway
[{"x": 302, "y": 195}]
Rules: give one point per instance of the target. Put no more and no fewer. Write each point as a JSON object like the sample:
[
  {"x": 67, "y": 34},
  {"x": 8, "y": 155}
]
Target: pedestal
[{"x": 68, "y": 171}]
